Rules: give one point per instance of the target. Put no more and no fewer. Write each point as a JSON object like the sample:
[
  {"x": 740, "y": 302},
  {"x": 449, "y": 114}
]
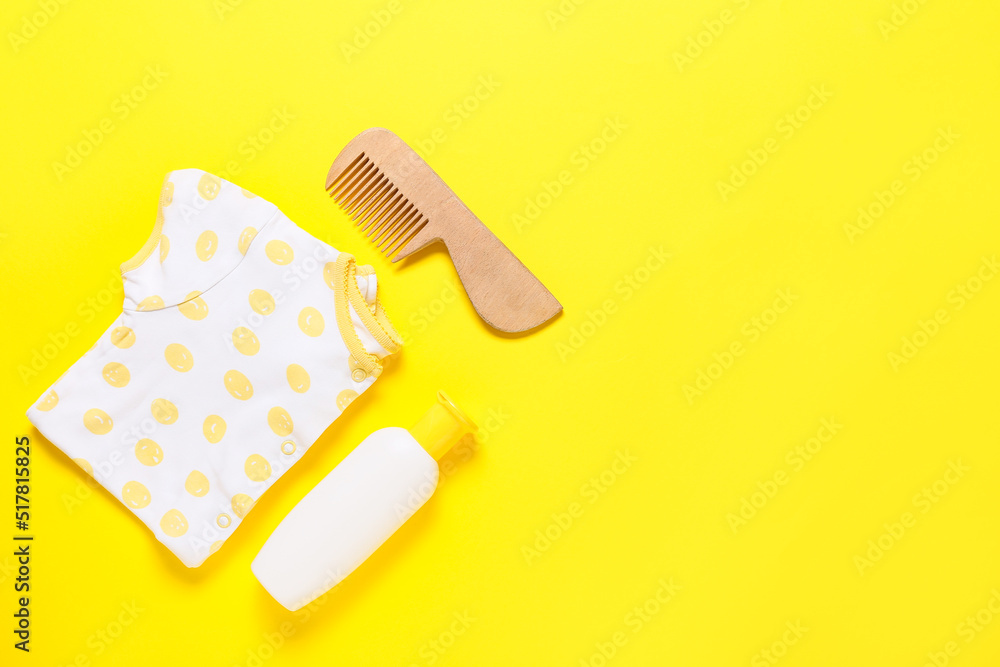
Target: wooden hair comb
[{"x": 403, "y": 206}]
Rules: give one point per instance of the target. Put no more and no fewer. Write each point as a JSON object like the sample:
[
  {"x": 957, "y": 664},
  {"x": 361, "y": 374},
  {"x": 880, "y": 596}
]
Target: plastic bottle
[{"x": 358, "y": 506}]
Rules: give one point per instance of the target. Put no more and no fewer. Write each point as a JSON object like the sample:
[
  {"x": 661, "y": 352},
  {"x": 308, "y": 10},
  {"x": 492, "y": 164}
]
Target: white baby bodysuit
[{"x": 242, "y": 338}]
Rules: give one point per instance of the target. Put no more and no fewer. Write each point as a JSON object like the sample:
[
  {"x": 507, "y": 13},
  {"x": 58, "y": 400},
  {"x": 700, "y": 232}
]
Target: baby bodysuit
[{"x": 242, "y": 337}]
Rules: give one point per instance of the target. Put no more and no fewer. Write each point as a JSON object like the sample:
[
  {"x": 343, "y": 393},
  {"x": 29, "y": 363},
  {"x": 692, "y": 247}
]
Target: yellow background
[{"x": 553, "y": 419}]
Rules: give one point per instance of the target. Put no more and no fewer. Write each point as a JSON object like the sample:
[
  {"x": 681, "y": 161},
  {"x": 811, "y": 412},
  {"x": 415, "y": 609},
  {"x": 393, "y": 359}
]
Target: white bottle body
[{"x": 346, "y": 517}]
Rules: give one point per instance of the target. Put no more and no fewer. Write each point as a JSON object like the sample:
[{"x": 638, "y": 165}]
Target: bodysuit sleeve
[{"x": 204, "y": 226}]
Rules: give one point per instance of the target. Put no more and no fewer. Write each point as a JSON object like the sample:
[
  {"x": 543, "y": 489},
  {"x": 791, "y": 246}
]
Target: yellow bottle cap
[{"x": 442, "y": 427}]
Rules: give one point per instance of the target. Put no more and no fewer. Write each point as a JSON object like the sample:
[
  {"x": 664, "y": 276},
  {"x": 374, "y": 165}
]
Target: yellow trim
[
  {"x": 154, "y": 239},
  {"x": 375, "y": 319},
  {"x": 347, "y": 294}
]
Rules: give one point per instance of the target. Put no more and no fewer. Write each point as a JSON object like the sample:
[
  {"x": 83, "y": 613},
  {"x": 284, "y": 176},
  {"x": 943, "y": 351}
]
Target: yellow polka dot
[
  {"x": 261, "y": 302},
  {"x": 298, "y": 378},
  {"x": 215, "y": 547},
  {"x": 49, "y": 401},
  {"x": 194, "y": 307},
  {"x": 279, "y": 252},
  {"x": 136, "y": 495},
  {"x": 122, "y": 337},
  {"x": 150, "y": 303},
  {"x": 167, "y": 196},
  {"x": 196, "y": 484},
  {"x": 148, "y": 452},
  {"x": 164, "y": 247},
  {"x": 116, "y": 374},
  {"x": 206, "y": 245},
  {"x": 345, "y": 398},
  {"x": 257, "y": 468},
  {"x": 247, "y": 194},
  {"x": 311, "y": 321},
  {"x": 241, "y": 504},
  {"x": 174, "y": 523},
  {"x": 245, "y": 238},
  {"x": 214, "y": 428},
  {"x": 330, "y": 275},
  {"x": 164, "y": 411},
  {"x": 179, "y": 357},
  {"x": 85, "y": 464},
  {"x": 209, "y": 186},
  {"x": 280, "y": 421},
  {"x": 245, "y": 341},
  {"x": 238, "y": 385},
  {"x": 97, "y": 421}
]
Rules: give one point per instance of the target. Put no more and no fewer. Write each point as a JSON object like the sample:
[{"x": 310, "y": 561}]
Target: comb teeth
[{"x": 375, "y": 204}]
